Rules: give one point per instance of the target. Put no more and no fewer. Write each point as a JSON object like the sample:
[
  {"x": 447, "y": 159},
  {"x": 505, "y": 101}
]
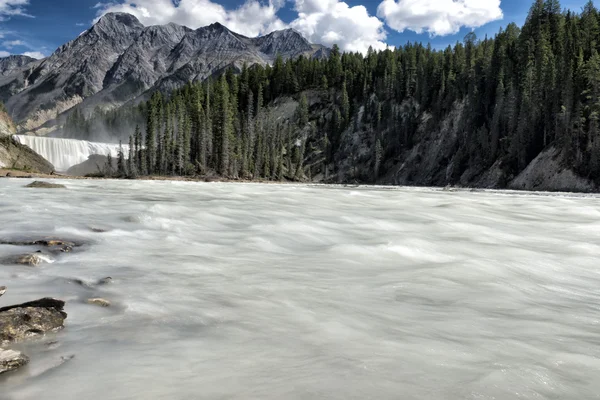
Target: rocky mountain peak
[
  {"x": 12, "y": 63},
  {"x": 217, "y": 26},
  {"x": 283, "y": 42},
  {"x": 118, "y": 19},
  {"x": 120, "y": 61}
]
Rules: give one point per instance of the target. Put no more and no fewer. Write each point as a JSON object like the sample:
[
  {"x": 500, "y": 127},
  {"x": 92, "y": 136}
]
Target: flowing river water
[{"x": 254, "y": 291}]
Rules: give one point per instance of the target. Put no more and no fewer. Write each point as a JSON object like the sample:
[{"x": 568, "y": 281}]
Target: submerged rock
[
  {"x": 33, "y": 318},
  {"x": 99, "y": 302},
  {"x": 105, "y": 281},
  {"x": 45, "y": 185},
  {"x": 87, "y": 285},
  {"x": 98, "y": 230},
  {"x": 11, "y": 360},
  {"x": 53, "y": 245}
]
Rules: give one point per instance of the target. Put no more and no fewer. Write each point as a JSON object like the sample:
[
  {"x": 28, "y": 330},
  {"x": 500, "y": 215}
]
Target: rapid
[{"x": 265, "y": 291}]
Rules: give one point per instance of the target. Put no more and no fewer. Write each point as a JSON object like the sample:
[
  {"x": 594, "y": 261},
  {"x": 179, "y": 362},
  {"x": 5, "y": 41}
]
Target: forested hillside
[{"x": 477, "y": 113}]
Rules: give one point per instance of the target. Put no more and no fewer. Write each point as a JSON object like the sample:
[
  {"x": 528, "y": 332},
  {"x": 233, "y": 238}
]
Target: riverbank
[{"x": 15, "y": 173}]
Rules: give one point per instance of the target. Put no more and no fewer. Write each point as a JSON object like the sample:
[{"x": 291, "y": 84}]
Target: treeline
[{"x": 524, "y": 90}]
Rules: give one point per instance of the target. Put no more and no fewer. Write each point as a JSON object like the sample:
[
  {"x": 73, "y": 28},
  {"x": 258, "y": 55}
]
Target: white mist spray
[{"x": 65, "y": 153}]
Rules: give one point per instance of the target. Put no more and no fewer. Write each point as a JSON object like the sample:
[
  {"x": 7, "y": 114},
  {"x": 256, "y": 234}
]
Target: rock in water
[
  {"x": 29, "y": 259},
  {"x": 105, "y": 281},
  {"x": 33, "y": 260},
  {"x": 29, "y": 319},
  {"x": 45, "y": 185},
  {"x": 53, "y": 245},
  {"x": 2, "y": 290},
  {"x": 99, "y": 302},
  {"x": 11, "y": 360}
]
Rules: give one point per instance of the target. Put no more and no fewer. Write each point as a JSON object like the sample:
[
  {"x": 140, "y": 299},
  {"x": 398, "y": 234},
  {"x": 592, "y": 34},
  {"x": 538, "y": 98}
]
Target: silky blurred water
[{"x": 253, "y": 291}]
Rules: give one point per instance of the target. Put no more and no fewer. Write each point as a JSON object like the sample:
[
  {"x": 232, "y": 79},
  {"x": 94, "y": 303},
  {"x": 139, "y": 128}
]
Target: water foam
[{"x": 65, "y": 153}]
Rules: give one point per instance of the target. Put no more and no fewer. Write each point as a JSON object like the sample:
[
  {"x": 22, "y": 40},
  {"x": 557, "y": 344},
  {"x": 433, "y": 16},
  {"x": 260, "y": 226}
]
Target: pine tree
[
  {"x": 121, "y": 171},
  {"x": 131, "y": 161},
  {"x": 345, "y": 105},
  {"x": 108, "y": 168},
  {"x": 150, "y": 149},
  {"x": 141, "y": 160},
  {"x": 302, "y": 111},
  {"x": 300, "y": 163},
  {"x": 226, "y": 125},
  {"x": 378, "y": 158}
]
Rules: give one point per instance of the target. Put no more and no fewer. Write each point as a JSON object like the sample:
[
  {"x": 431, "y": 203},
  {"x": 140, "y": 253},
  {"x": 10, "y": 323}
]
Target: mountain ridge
[{"x": 118, "y": 60}]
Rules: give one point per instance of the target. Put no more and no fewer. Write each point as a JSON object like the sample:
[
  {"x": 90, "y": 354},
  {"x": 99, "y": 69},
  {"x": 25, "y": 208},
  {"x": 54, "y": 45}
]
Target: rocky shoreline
[{"x": 27, "y": 321}]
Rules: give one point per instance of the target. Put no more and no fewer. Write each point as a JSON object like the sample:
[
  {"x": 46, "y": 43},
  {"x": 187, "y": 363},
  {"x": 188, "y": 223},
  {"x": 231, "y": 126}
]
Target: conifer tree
[
  {"x": 131, "y": 161},
  {"x": 121, "y": 169},
  {"x": 150, "y": 149},
  {"x": 108, "y": 168}
]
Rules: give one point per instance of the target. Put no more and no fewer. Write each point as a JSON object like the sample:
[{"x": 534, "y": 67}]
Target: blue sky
[{"x": 38, "y": 27}]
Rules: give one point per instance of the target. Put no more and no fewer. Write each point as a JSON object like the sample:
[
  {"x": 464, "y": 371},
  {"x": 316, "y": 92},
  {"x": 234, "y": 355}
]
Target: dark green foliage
[{"x": 121, "y": 170}]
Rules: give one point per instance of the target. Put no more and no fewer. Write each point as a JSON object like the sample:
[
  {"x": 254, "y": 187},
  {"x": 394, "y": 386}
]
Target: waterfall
[{"x": 65, "y": 153}]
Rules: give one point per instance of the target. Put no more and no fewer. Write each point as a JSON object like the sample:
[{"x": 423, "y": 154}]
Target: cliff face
[
  {"x": 16, "y": 156},
  {"x": 435, "y": 158},
  {"x": 119, "y": 60},
  {"x": 7, "y": 126}
]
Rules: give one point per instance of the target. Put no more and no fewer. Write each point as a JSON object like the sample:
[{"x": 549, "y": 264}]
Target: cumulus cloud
[
  {"x": 438, "y": 17},
  {"x": 320, "y": 21},
  {"x": 252, "y": 18},
  {"x": 4, "y": 54},
  {"x": 331, "y": 22},
  {"x": 34, "y": 54},
  {"x": 9, "y": 8}
]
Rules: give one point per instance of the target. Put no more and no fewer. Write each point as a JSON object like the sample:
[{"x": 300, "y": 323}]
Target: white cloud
[
  {"x": 4, "y": 54},
  {"x": 438, "y": 17},
  {"x": 9, "y": 8},
  {"x": 253, "y": 18},
  {"x": 331, "y": 22},
  {"x": 34, "y": 54},
  {"x": 9, "y": 44},
  {"x": 320, "y": 21}
]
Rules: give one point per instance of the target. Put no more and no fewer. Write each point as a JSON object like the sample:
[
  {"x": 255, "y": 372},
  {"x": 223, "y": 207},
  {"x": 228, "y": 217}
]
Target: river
[{"x": 258, "y": 291}]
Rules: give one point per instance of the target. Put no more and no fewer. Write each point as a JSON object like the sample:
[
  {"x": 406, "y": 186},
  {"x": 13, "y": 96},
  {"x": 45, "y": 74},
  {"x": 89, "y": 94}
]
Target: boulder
[
  {"x": 11, "y": 360},
  {"x": 45, "y": 185},
  {"x": 30, "y": 319},
  {"x": 33, "y": 260},
  {"x": 99, "y": 302}
]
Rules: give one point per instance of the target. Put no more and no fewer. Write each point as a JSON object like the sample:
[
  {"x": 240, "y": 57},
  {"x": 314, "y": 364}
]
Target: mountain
[
  {"x": 118, "y": 60},
  {"x": 10, "y": 64}
]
